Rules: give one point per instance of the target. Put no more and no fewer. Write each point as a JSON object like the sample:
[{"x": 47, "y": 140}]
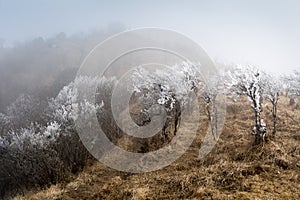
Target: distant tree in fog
[
  {"x": 272, "y": 87},
  {"x": 209, "y": 94},
  {"x": 294, "y": 82},
  {"x": 291, "y": 85}
]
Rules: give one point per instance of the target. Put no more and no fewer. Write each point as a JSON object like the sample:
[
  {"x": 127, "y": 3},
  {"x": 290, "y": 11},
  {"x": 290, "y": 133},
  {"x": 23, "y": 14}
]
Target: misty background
[{"x": 42, "y": 43}]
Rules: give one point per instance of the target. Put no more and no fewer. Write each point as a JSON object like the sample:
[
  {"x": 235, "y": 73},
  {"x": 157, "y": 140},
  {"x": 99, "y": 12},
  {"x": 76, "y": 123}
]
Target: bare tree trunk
[
  {"x": 274, "y": 114},
  {"x": 260, "y": 129},
  {"x": 211, "y": 111}
]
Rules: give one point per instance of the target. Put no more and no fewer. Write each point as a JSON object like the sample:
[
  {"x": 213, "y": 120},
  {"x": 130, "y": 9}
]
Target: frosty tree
[
  {"x": 294, "y": 83},
  {"x": 168, "y": 87},
  {"x": 182, "y": 80},
  {"x": 153, "y": 97},
  {"x": 291, "y": 85},
  {"x": 285, "y": 79},
  {"x": 272, "y": 87},
  {"x": 209, "y": 96},
  {"x": 247, "y": 81}
]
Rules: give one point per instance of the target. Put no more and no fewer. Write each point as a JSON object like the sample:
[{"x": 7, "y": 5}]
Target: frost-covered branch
[
  {"x": 167, "y": 86},
  {"x": 247, "y": 81},
  {"x": 209, "y": 93},
  {"x": 272, "y": 87},
  {"x": 292, "y": 83}
]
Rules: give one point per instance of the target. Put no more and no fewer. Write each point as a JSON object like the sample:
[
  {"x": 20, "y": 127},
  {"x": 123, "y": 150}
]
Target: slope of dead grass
[{"x": 233, "y": 170}]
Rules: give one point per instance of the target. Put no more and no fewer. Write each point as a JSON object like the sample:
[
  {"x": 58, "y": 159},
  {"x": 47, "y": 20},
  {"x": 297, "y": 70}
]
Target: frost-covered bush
[
  {"x": 34, "y": 135},
  {"x": 62, "y": 108},
  {"x": 71, "y": 100},
  {"x": 4, "y": 122},
  {"x": 37, "y": 155},
  {"x": 28, "y": 158},
  {"x": 24, "y": 110}
]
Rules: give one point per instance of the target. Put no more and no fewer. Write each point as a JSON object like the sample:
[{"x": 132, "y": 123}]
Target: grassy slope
[{"x": 233, "y": 170}]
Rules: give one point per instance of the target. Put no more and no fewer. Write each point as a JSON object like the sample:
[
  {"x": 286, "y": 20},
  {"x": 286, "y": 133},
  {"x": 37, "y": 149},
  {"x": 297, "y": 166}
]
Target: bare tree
[
  {"x": 285, "y": 79},
  {"x": 294, "y": 80},
  {"x": 291, "y": 84},
  {"x": 209, "y": 96},
  {"x": 272, "y": 87},
  {"x": 247, "y": 81}
]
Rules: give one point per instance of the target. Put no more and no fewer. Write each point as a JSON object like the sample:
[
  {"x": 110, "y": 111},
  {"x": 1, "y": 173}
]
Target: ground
[{"x": 233, "y": 170}]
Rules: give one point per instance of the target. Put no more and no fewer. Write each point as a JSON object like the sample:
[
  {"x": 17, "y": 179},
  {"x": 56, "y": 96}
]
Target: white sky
[{"x": 264, "y": 33}]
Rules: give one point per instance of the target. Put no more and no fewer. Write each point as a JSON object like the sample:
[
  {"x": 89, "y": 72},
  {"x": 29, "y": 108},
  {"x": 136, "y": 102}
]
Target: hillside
[{"x": 233, "y": 170}]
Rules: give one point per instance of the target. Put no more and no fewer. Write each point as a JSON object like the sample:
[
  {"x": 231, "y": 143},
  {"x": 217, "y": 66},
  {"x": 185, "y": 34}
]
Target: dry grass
[{"x": 233, "y": 170}]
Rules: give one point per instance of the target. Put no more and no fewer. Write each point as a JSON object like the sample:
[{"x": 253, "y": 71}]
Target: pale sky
[{"x": 264, "y": 33}]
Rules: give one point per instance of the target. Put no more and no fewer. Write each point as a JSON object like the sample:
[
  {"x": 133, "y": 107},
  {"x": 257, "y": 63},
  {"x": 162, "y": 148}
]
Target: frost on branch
[
  {"x": 34, "y": 135},
  {"x": 62, "y": 108},
  {"x": 24, "y": 110},
  {"x": 272, "y": 87},
  {"x": 292, "y": 84},
  {"x": 247, "y": 81},
  {"x": 155, "y": 91},
  {"x": 4, "y": 124},
  {"x": 208, "y": 93},
  {"x": 71, "y": 100},
  {"x": 49, "y": 151},
  {"x": 167, "y": 86}
]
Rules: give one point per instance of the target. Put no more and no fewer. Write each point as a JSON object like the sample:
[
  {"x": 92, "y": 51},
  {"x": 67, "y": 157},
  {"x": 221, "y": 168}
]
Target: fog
[
  {"x": 42, "y": 43},
  {"x": 41, "y": 67}
]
